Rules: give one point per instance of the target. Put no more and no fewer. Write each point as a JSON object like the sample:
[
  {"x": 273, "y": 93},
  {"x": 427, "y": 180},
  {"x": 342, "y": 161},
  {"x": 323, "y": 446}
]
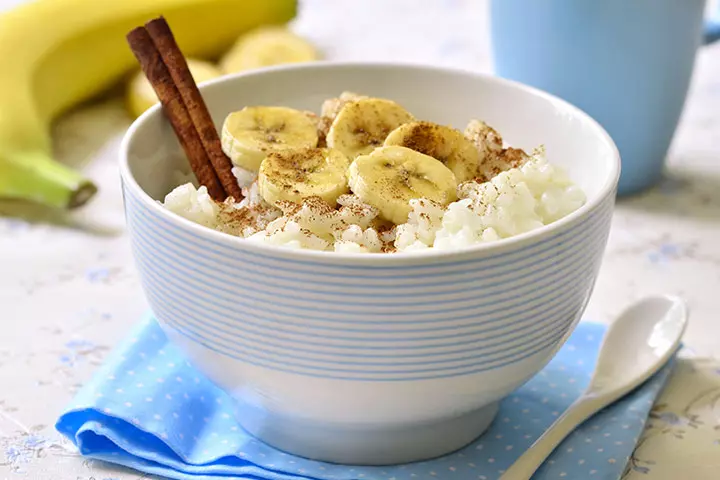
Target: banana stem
[{"x": 37, "y": 177}]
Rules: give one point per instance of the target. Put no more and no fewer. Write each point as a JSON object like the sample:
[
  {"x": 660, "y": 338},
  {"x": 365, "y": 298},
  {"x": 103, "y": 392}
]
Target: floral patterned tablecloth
[{"x": 69, "y": 291}]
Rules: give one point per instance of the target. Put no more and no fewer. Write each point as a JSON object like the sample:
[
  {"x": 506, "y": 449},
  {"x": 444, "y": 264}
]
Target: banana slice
[
  {"x": 293, "y": 175},
  {"x": 266, "y": 46},
  {"x": 493, "y": 159},
  {"x": 390, "y": 177},
  {"x": 140, "y": 94},
  {"x": 329, "y": 110},
  {"x": 362, "y": 125},
  {"x": 252, "y": 133},
  {"x": 440, "y": 142}
]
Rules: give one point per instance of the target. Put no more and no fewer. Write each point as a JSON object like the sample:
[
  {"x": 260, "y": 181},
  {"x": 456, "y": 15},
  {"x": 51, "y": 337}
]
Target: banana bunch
[
  {"x": 373, "y": 147},
  {"x": 58, "y": 53}
]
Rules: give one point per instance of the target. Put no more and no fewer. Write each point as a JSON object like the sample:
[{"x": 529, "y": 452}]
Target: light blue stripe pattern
[
  {"x": 142, "y": 240},
  {"x": 386, "y": 323}
]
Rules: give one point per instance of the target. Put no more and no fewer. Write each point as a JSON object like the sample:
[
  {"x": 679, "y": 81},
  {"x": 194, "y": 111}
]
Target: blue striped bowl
[{"x": 372, "y": 359}]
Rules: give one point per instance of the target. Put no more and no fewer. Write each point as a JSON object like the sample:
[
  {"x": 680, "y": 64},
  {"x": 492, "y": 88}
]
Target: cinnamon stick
[
  {"x": 157, "y": 73},
  {"x": 164, "y": 41}
]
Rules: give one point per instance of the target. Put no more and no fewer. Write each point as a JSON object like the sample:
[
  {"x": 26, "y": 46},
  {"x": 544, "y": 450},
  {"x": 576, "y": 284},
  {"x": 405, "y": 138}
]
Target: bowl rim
[{"x": 367, "y": 259}]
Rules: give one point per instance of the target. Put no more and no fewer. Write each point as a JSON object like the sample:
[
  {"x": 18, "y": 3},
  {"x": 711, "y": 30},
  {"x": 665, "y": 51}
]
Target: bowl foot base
[{"x": 367, "y": 445}]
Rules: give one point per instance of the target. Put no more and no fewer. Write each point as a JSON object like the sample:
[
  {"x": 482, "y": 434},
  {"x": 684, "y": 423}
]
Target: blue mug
[{"x": 628, "y": 63}]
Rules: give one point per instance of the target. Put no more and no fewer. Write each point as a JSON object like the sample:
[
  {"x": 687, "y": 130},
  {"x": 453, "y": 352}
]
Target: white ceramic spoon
[{"x": 635, "y": 347}]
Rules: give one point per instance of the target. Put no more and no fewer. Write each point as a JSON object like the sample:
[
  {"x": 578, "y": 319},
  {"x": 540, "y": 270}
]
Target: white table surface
[{"x": 71, "y": 277}]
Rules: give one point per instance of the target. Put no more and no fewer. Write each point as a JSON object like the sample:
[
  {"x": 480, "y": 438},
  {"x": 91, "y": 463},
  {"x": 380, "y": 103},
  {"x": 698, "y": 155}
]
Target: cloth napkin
[{"x": 148, "y": 409}]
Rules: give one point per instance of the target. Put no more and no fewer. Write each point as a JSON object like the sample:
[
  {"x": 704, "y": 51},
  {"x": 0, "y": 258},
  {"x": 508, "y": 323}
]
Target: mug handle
[{"x": 712, "y": 28}]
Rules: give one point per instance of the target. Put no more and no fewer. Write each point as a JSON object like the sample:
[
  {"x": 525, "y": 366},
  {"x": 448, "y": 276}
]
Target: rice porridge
[{"x": 366, "y": 176}]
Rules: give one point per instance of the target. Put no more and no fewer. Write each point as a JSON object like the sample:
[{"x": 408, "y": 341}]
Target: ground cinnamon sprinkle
[
  {"x": 236, "y": 221},
  {"x": 323, "y": 127},
  {"x": 388, "y": 247},
  {"x": 389, "y": 184},
  {"x": 424, "y": 137},
  {"x": 386, "y": 233},
  {"x": 349, "y": 224},
  {"x": 355, "y": 209},
  {"x": 495, "y": 163},
  {"x": 319, "y": 206},
  {"x": 288, "y": 208},
  {"x": 294, "y": 166}
]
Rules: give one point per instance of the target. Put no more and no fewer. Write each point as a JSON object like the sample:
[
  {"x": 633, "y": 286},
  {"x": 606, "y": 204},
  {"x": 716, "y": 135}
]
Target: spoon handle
[{"x": 526, "y": 465}]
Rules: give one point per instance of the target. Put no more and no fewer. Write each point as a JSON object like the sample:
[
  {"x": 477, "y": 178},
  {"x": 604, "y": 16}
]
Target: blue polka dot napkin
[{"x": 148, "y": 409}]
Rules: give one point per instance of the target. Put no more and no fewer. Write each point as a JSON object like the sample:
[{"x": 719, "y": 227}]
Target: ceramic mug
[{"x": 626, "y": 63}]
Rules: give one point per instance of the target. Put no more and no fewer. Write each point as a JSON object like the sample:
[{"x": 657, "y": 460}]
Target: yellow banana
[
  {"x": 440, "y": 142},
  {"x": 389, "y": 177},
  {"x": 363, "y": 124},
  {"x": 58, "y": 53},
  {"x": 250, "y": 134},
  {"x": 294, "y": 175},
  {"x": 140, "y": 95}
]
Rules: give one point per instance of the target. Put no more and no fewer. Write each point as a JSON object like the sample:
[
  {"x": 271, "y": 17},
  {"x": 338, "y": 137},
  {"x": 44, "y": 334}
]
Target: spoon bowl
[{"x": 638, "y": 343}]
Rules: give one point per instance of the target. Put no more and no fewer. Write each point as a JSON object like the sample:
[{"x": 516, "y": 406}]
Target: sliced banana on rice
[
  {"x": 252, "y": 133},
  {"x": 389, "y": 177},
  {"x": 293, "y": 175},
  {"x": 362, "y": 125},
  {"x": 329, "y": 110},
  {"x": 440, "y": 142}
]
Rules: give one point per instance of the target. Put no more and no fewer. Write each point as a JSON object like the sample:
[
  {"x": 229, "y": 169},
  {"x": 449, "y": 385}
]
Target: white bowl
[{"x": 372, "y": 359}]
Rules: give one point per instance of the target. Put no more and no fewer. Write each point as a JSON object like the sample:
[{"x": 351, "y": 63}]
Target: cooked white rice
[
  {"x": 194, "y": 204},
  {"x": 515, "y": 201}
]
